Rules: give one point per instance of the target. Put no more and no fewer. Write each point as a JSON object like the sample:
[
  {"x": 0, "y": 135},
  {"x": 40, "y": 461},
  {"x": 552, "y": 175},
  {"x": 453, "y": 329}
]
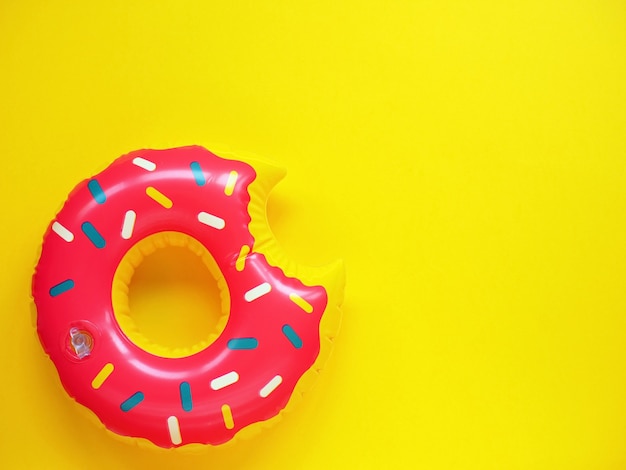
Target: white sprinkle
[
  {"x": 224, "y": 380},
  {"x": 271, "y": 386},
  {"x": 211, "y": 220},
  {"x": 257, "y": 292},
  {"x": 174, "y": 429},
  {"x": 62, "y": 232},
  {"x": 129, "y": 224},
  {"x": 145, "y": 164}
]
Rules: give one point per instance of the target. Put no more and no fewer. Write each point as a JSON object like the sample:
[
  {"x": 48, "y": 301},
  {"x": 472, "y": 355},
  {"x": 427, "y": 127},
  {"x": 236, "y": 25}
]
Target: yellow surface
[
  {"x": 155, "y": 320},
  {"x": 466, "y": 159}
]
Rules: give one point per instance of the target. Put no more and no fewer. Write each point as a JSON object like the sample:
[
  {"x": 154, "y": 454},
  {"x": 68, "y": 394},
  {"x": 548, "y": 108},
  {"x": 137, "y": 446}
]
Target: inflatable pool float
[{"x": 278, "y": 323}]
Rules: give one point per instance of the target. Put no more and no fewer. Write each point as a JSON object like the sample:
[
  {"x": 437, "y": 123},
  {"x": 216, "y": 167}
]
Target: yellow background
[{"x": 466, "y": 159}]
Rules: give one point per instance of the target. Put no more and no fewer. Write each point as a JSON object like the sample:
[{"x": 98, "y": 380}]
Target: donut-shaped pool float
[{"x": 279, "y": 318}]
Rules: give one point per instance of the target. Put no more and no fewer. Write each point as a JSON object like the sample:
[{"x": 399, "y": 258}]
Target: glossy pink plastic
[{"x": 247, "y": 375}]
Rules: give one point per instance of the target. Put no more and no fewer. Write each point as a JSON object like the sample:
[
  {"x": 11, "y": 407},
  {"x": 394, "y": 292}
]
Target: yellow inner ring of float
[{"x": 122, "y": 284}]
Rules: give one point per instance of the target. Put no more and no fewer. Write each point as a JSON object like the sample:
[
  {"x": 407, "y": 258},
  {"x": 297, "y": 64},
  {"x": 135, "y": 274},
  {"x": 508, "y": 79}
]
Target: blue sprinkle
[
  {"x": 198, "y": 174},
  {"x": 61, "y": 287},
  {"x": 93, "y": 235},
  {"x": 185, "y": 396},
  {"x": 132, "y": 401},
  {"x": 243, "y": 343},
  {"x": 96, "y": 191},
  {"x": 292, "y": 336}
]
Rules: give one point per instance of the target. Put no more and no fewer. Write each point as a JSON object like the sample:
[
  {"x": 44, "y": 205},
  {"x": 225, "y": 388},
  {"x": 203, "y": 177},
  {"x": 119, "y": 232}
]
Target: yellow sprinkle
[
  {"x": 300, "y": 302},
  {"x": 102, "y": 375},
  {"x": 241, "y": 260},
  {"x": 159, "y": 197},
  {"x": 228, "y": 417},
  {"x": 230, "y": 184}
]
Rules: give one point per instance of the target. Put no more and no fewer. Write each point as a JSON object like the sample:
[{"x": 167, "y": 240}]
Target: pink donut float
[{"x": 273, "y": 336}]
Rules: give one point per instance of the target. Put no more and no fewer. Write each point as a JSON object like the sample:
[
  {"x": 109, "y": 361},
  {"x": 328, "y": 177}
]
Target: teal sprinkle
[
  {"x": 243, "y": 343},
  {"x": 198, "y": 174},
  {"x": 93, "y": 235},
  {"x": 61, "y": 287},
  {"x": 185, "y": 396},
  {"x": 132, "y": 401},
  {"x": 96, "y": 191},
  {"x": 292, "y": 336}
]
